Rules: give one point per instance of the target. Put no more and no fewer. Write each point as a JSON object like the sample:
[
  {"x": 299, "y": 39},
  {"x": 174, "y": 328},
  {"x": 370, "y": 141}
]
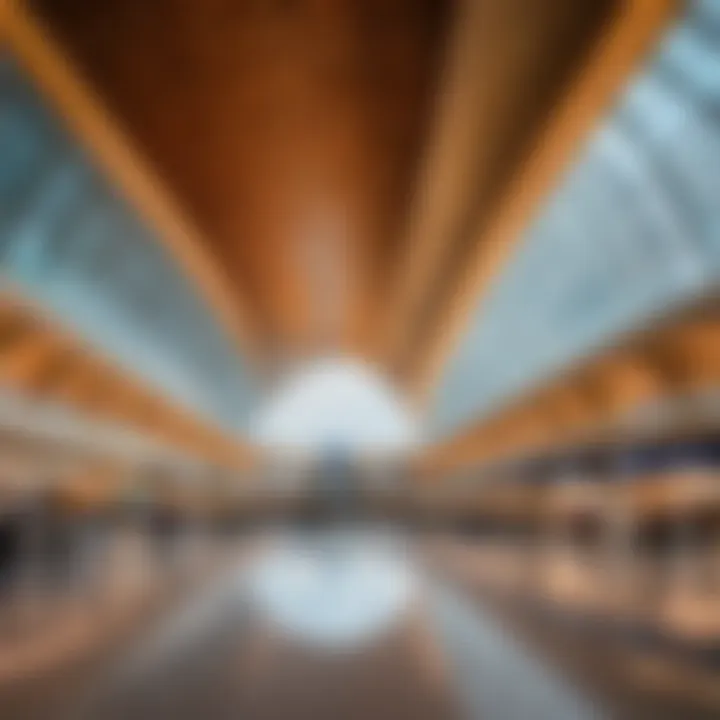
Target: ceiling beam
[
  {"x": 83, "y": 112},
  {"x": 446, "y": 178},
  {"x": 678, "y": 358},
  {"x": 40, "y": 359},
  {"x": 427, "y": 340},
  {"x": 21, "y": 362}
]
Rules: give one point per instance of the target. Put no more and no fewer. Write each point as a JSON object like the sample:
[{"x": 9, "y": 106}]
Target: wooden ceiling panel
[{"x": 279, "y": 125}]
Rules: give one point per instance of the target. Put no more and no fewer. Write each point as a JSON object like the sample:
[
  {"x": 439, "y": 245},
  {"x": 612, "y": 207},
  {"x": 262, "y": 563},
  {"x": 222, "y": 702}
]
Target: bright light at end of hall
[{"x": 340, "y": 402}]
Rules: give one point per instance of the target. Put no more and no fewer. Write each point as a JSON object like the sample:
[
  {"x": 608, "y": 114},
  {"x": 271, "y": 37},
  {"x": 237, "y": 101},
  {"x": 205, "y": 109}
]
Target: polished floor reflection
[{"x": 272, "y": 627}]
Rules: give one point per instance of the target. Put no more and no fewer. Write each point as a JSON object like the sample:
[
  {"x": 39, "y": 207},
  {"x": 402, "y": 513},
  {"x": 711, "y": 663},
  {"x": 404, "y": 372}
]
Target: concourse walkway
[{"x": 219, "y": 654}]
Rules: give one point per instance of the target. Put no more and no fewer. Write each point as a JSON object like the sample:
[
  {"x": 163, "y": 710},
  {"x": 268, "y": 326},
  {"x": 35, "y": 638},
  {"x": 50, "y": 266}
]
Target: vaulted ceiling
[
  {"x": 314, "y": 176},
  {"x": 312, "y": 141}
]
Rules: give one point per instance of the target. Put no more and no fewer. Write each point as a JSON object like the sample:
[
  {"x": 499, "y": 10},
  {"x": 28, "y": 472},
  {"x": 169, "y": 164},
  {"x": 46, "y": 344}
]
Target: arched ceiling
[
  {"x": 280, "y": 179},
  {"x": 302, "y": 137}
]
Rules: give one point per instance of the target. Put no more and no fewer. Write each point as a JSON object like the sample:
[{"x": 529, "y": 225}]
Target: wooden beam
[
  {"x": 678, "y": 358},
  {"x": 83, "y": 112},
  {"x": 447, "y": 176},
  {"x": 4, "y": 11},
  {"x": 626, "y": 40},
  {"x": 95, "y": 387},
  {"x": 74, "y": 387},
  {"x": 54, "y": 372},
  {"x": 22, "y": 362}
]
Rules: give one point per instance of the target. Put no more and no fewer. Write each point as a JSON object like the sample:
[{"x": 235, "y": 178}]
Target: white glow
[
  {"x": 336, "y": 402},
  {"x": 339, "y": 591}
]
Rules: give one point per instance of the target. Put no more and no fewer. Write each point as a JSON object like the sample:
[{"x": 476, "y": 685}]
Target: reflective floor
[{"x": 339, "y": 624}]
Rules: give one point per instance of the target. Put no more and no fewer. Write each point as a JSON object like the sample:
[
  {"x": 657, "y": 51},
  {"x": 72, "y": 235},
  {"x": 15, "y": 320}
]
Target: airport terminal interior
[{"x": 359, "y": 359}]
